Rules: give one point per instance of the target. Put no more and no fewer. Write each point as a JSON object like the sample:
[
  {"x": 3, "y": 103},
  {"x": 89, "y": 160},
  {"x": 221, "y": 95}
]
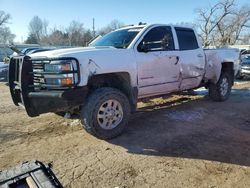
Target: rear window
[{"x": 186, "y": 38}]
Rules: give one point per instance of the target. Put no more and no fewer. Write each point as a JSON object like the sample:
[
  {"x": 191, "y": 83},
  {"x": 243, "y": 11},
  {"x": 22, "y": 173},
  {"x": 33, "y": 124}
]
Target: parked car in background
[
  {"x": 32, "y": 50},
  {"x": 6, "y": 51},
  {"x": 244, "y": 65},
  {"x": 27, "y": 50},
  {"x": 39, "y": 50},
  {"x": 4, "y": 68}
]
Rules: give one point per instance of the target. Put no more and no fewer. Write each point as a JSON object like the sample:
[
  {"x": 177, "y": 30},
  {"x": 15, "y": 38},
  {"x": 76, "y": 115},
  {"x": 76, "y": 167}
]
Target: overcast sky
[{"x": 62, "y": 12}]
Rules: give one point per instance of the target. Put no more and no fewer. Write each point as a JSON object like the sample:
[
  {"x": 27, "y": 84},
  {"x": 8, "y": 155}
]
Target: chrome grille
[
  {"x": 38, "y": 78},
  {"x": 245, "y": 66}
]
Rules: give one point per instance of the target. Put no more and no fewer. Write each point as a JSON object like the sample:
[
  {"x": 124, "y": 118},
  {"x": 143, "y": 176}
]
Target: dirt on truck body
[{"x": 181, "y": 141}]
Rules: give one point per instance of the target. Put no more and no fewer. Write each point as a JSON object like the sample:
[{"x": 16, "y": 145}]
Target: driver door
[{"x": 158, "y": 63}]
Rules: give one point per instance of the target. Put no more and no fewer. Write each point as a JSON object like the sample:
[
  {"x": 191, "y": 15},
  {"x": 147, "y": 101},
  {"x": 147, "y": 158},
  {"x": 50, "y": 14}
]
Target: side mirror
[
  {"x": 164, "y": 43},
  {"x": 6, "y": 60},
  {"x": 143, "y": 47}
]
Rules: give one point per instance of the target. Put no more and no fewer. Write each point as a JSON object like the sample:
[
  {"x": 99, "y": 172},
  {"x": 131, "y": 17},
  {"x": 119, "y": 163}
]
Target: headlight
[
  {"x": 59, "y": 66},
  {"x": 60, "y": 81},
  {"x": 61, "y": 73}
]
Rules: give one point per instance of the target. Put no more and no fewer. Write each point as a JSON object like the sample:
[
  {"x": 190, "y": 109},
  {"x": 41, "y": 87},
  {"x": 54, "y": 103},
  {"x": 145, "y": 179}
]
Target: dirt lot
[{"x": 186, "y": 141}]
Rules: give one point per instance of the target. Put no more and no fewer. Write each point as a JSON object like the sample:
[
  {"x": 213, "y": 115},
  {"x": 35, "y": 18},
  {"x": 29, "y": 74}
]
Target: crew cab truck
[{"x": 103, "y": 82}]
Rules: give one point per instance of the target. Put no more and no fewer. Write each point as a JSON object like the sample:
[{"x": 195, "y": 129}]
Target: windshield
[{"x": 118, "y": 39}]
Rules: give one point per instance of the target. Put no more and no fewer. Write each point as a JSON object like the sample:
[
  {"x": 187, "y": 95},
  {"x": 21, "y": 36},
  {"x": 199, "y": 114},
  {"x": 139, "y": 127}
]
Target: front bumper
[
  {"x": 39, "y": 99},
  {"x": 54, "y": 101}
]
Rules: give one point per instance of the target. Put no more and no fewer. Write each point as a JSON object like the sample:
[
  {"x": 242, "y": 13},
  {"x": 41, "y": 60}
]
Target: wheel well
[
  {"x": 119, "y": 81},
  {"x": 228, "y": 67}
]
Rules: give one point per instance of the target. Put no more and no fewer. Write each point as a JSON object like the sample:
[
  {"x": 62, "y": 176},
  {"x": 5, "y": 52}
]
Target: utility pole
[{"x": 94, "y": 32}]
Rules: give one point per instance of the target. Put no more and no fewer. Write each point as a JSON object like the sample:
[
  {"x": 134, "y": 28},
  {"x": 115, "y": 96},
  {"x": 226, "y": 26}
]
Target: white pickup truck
[{"x": 104, "y": 82}]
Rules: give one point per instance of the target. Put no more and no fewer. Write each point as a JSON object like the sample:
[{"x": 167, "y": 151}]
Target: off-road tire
[
  {"x": 217, "y": 92},
  {"x": 91, "y": 107}
]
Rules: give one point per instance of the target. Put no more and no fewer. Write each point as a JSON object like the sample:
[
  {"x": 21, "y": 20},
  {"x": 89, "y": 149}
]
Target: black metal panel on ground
[{"x": 29, "y": 175}]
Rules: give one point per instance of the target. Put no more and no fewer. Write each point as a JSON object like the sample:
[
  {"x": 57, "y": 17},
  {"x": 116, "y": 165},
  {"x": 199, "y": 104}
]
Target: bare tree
[
  {"x": 223, "y": 23},
  {"x": 113, "y": 25},
  {"x": 210, "y": 18},
  {"x": 88, "y": 36},
  {"x": 31, "y": 39},
  {"x": 4, "y": 18},
  {"x": 5, "y": 34},
  {"x": 245, "y": 39},
  {"x": 57, "y": 37},
  {"x": 38, "y": 28},
  {"x": 230, "y": 30},
  {"x": 75, "y": 33}
]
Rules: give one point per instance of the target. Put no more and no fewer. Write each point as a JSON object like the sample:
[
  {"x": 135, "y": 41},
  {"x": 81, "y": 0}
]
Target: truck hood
[
  {"x": 70, "y": 52},
  {"x": 96, "y": 60}
]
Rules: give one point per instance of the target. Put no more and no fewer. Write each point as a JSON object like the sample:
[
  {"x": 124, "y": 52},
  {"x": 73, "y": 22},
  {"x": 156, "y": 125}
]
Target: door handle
[
  {"x": 200, "y": 55},
  {"x": 198, "y": 68},
  {"x": 177, "y": 60},
  {"x": 176, "y": 57}
]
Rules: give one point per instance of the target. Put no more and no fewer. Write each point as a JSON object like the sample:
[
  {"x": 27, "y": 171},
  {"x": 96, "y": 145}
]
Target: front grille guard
[
  {"x": 23, "y": 79},
  {"x": 20, "y": 79}
]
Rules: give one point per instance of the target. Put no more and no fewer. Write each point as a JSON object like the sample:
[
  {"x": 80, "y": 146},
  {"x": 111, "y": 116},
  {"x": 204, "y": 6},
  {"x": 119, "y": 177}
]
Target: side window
[
  {"x": 186, "y": 38},
  {"x": 157, "y": 39}
]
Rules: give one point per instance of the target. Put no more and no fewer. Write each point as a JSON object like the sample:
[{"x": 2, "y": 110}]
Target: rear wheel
[
  {"x": 222, "y": 89},
  {"x": 105, "y": 113}
]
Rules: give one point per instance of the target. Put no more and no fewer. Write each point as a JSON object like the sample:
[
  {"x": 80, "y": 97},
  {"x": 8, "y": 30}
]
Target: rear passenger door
[{"x": 192, "y": 58}]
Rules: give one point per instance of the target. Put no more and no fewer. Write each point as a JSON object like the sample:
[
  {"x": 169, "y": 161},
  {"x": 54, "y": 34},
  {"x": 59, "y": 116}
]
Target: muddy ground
[{"x": 186, "y": 141}]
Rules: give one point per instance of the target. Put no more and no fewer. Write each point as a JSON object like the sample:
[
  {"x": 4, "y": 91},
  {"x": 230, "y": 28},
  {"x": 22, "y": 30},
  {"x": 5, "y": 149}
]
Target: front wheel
[
  {"x": 105, "y": 113},
  {"x": 222, "y": 89}
]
